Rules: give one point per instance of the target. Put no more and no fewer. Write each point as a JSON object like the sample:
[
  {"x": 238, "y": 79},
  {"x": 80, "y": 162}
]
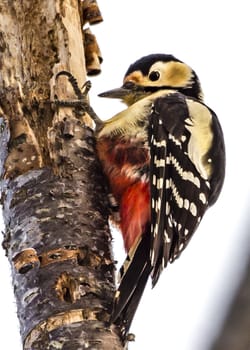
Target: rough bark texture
[{"x": 57, "y": 237}]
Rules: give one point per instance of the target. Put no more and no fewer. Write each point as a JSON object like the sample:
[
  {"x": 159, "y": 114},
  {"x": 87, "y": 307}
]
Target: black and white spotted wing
[{"x": 179, "y": 194}]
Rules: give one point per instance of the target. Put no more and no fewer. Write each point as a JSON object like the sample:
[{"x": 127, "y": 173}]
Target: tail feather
[{"x": 137, "y": 269}]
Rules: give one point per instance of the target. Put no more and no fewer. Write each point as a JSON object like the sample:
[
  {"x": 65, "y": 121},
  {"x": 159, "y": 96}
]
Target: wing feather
[{"x": 179, "y": 194}]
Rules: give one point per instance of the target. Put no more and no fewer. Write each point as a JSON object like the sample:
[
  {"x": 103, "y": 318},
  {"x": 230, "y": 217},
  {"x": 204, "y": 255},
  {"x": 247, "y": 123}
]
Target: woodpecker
[{"x": 164, "y": 158}]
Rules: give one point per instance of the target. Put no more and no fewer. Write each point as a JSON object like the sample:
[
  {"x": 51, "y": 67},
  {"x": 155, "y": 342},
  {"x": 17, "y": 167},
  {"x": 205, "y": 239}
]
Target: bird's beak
[
  {"x": 121, "y": 93},
  {"x": 129, "y": 93}
]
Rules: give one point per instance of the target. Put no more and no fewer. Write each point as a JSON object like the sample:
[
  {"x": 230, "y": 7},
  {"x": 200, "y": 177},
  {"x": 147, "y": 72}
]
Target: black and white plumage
[
  {"x": 180, "y": 174},
  {"x": 170, "y": 141}
]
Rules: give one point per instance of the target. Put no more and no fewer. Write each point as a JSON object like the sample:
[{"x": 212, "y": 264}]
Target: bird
[{"x": 164, "y": 160}]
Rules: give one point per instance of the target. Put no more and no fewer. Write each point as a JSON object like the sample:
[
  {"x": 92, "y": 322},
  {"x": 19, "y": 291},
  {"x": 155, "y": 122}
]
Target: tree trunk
[{"x": 57, "y": 237}]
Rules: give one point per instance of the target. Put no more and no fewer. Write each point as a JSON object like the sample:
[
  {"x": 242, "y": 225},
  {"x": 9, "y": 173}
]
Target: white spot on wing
[
  {"x": 188, "y": 121},
  {"x": 161, "y": 143},
  {"x": 186, "y": 203},
  {"x": 154, "y": 180},
  {"x": 167, "y": 208},
  {"x": 181, "y": 246},
  {"x": 197, "y": 182},
  {"x": 159, "y": 183},
  {"x": 176, "y": 141},
  {"x": 166, "y": 237},
  {"x": 168, "y": 183},
  {"x": 159, "y": 162},
  {"x": 193, "y": 209},
  {"x": 202, "y": 198},
  {"x": 158, "y": 204},
  {"x": 153, "y": 203},
  {"x": 170, "y": 224},
  {"x": 180, "y": 202}
]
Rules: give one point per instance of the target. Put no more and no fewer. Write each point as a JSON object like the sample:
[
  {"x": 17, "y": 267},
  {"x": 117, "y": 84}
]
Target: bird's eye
[{"x": 155, "y": 75}]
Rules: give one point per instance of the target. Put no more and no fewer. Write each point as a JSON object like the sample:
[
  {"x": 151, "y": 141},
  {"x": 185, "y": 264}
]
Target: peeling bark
[{"x": 57, "y": 237}]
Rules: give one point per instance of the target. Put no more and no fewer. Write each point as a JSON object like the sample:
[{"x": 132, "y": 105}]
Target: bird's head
[{"x": 153, "y": 73}]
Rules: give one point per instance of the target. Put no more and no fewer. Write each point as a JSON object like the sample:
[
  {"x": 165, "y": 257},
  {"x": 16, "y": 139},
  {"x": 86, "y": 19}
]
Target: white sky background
[{"x": 185, "y": 308}]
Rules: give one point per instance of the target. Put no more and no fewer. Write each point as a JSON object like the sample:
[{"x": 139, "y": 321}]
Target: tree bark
[{"x": 56, "y": 236}]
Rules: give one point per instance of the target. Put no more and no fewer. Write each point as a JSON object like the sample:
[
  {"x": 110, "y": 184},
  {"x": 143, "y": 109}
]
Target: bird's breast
[{"x": 125, "y": 160}]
